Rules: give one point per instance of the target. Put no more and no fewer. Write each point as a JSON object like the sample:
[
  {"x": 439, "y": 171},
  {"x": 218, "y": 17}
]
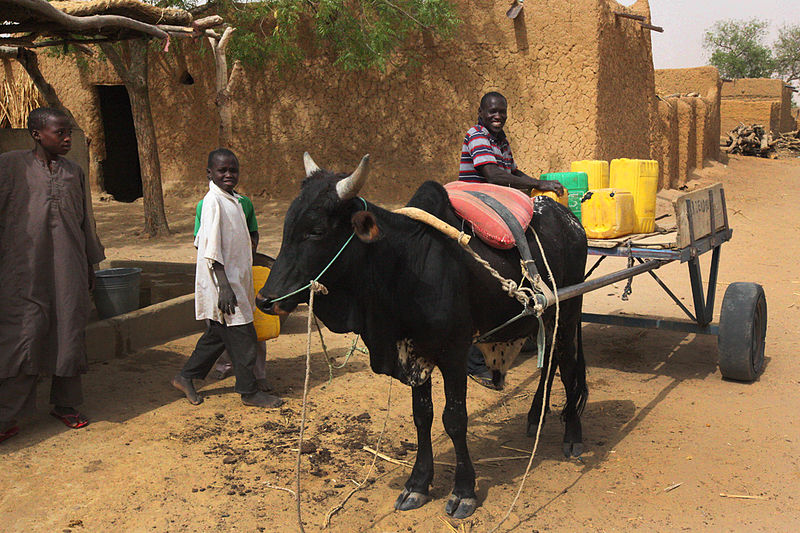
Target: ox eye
[{"x": 313, "y": 234}]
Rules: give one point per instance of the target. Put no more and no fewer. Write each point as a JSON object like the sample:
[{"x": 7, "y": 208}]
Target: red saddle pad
[{"x": 486, "y": 223}]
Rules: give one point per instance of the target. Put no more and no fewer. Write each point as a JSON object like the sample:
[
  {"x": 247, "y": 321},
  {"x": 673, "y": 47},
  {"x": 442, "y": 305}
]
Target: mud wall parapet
[{"x": 579, "y": 81}]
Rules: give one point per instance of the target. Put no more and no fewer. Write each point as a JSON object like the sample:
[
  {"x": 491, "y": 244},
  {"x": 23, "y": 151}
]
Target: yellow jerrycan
[
  {"x": 563, "y": 199},
  {"x": 267, "y": 326},
  {"x": 596, "y": 170},
  {"x": 608, "y": 213},
  {"x": 640, "y": 178}
]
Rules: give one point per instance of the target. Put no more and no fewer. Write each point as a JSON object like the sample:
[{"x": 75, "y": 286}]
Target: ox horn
[
  {"x": 349, "y": 186},
  {"x": 311, "y": 167}
]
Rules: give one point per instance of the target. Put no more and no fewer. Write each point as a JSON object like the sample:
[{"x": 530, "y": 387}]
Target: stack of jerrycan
[
  {"x": 597, "y": 171},
  {"x": 626, "y": 203},
  {"x": 576, "y": 185},
  {"x": 640, "y": 178}
]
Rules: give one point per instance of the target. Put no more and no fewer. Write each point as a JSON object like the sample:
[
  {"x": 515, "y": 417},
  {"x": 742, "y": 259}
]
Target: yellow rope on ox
[
  {"x": 316, "y": 287},
  {"x": 361, "y": 485},
  {"x": 523, "y": 295},
  {"x": 544, "y": 398}
]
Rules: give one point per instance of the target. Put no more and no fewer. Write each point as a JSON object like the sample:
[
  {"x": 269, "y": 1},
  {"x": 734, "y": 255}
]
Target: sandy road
[{"x": 658, "y": 415}]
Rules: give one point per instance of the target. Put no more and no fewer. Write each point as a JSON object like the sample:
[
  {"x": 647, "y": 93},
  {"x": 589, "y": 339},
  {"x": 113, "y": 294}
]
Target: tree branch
[
  {"x": 399, "y": 9},
  {"x": 30, "y": 63},
  {"x": 93, "y": 22},
  {"x": 116, "y": 60}
]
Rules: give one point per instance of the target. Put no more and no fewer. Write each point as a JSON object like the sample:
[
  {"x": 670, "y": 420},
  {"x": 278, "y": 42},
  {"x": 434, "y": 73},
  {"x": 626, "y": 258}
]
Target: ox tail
[
  {"x": 577, "y": 390},
  {"x": 583, "y": 389}
]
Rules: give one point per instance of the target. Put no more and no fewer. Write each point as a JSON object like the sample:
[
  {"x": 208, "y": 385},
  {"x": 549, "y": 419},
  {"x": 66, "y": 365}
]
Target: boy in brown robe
[{"x": 48, "y": 247}]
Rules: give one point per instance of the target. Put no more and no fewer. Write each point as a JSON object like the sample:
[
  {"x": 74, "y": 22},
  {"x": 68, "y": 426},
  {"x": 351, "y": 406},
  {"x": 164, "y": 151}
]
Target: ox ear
[{"x": 365, "y": 226}]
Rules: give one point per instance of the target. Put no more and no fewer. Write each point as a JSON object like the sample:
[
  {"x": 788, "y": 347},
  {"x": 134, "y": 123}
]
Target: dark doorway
[{"x": 122, "y": 177}]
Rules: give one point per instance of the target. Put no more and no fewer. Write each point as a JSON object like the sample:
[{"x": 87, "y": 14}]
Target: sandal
[
  {"x": 10, "y": 432},
  {"x": 72, "y": 420},
  {"x": 485, "y": 379}
]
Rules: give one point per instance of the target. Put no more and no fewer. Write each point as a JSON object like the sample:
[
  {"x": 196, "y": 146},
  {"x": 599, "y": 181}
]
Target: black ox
[{"x": 417, "y": 299}]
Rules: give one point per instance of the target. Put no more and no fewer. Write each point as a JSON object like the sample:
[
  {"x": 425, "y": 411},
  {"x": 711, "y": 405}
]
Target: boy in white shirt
[{"x": 224, "y": 287}]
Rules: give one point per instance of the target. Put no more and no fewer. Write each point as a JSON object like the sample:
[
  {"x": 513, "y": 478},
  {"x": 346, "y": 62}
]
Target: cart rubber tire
[{"x": 742, "y": 329}]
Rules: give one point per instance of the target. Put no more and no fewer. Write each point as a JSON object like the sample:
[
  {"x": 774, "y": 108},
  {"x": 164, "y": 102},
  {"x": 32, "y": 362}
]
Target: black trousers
[
  {"x": 18, "y": 394},
  {"x": 240, "y": 343},
  {"x": 476, "y": 364}
]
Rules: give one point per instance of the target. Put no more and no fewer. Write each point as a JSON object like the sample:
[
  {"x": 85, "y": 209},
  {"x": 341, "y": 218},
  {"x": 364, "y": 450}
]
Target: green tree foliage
[
  {"x": 787, "y": 53},
  {"x": 355, "y": 34},
  {"x": 737, "y": 48}
]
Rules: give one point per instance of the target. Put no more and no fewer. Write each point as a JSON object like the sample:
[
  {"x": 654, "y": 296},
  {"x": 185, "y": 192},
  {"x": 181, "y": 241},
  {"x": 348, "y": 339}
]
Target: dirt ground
[{"x": 659, "y": 417}]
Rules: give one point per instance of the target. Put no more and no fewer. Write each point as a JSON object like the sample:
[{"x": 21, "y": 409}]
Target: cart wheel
[{"x": 742, "y": 328}]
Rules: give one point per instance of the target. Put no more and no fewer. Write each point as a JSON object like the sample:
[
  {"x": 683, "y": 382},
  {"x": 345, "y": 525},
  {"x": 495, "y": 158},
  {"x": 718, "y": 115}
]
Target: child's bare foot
[
  {"x": 186, "y": 386},
  {"x": 263, "y": 385},
  {"x": 261, "y": 399}
]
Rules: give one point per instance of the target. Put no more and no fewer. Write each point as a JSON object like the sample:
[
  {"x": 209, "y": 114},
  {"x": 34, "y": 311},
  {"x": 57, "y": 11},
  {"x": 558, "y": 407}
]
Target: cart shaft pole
[{"x": 582, "y": 288}]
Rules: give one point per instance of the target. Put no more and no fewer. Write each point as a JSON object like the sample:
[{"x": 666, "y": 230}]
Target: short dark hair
[
  {"x": 220, "y": 152},
  {"x": 37, "y": 119},
  {"x": 491, "y": 94}
]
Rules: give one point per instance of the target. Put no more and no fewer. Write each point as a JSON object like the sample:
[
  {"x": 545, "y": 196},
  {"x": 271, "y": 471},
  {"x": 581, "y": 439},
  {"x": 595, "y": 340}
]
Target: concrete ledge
[
  {"x": 164, "y": 267},
  {"x": 153, "y": 325}
]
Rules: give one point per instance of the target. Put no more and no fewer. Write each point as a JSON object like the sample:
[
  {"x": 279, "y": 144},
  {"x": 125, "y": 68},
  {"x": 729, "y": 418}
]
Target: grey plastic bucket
[{"x": 116, "y": 291}]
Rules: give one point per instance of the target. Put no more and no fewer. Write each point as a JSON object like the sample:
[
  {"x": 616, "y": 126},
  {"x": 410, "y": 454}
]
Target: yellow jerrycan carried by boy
[
  {"x": 640, "y": 178},
  {"x": 608, "y": 213},
  {"x": 267, "y": 326}
]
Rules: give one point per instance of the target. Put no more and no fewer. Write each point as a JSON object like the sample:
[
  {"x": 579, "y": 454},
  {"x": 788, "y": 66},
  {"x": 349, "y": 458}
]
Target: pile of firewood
[{"x": 754, "y": 140}]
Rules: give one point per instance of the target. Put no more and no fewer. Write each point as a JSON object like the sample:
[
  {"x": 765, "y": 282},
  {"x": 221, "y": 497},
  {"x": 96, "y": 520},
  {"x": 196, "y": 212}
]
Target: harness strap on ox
[{"x": 521, "y": 243}]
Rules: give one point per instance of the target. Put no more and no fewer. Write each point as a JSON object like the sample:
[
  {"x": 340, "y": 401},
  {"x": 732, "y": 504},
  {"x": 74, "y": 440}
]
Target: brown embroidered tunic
[{"x": 47, "y": 241}]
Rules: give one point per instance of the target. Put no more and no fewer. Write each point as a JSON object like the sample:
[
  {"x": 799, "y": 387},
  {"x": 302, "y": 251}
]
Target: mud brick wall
[
  {"x": 687, "y": 138},
  {"x": 626, "y": 103},
  {"x": 764, "y": 112},
  {"x": 702, "y": 120},
  {"x": 788, "y": 122},
  {"x": 706, "y": 82},
  {"x": 757, "y": 101},
  {"x": 664, "y": 144},
  {"x": 578, "y": 79}
]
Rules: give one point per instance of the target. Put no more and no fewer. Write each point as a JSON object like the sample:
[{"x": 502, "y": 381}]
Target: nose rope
[{"x": 335, "y": 257}]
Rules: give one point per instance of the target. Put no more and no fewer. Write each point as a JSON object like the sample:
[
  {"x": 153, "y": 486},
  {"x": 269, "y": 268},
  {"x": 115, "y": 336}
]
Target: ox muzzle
[{"x": 268, "y": 305}]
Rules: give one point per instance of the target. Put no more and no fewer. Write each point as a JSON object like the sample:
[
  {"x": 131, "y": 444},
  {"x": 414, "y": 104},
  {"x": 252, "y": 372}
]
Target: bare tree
[
  {"x": 225, "y": 84},
  {"x": 129, "y": 59}
]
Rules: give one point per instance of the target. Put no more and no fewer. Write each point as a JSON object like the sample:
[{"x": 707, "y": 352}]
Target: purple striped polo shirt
[{"x": 480, "y": 148}]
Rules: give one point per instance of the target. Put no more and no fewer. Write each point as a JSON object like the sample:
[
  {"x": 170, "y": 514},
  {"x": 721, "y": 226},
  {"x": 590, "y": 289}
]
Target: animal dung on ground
[{"x": 754, "y": 140}]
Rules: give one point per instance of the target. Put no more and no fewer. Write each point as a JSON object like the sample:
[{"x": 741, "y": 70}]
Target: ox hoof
[
  {"x": 573, "y": 449},
  {"x": 410, "y": 500},
  {"x": 460, "y": 507}
]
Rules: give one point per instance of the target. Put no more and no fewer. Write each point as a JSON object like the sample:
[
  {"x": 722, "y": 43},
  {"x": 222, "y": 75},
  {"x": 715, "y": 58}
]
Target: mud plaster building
[
  {"x": 686, "y": 130},
  {"x": 757, "y": 101},
  {"x": 579, "y": 81}
]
